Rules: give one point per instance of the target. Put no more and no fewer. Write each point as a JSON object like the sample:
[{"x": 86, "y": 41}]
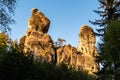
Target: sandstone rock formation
[
  {"x": 36, "y": 40},
  {"x": 39, "y": 43},
  {"x": 82, "y": 58},
  {"x": 66, "y": 54},
  {"x": 87, "y": 40},
  {"x": 38, "y": 21},
  {"x": 86, "y": 46}
]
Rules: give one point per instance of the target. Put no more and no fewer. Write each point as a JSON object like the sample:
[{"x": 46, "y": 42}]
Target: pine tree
[
  {"x": 110, "y": 52},
  {"x": 108, "y": 10},
  {"x": 108, "y": 29}
]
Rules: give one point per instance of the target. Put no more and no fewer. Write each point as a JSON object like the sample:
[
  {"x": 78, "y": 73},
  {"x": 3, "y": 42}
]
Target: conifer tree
[
  {"x": 108, "y": 10},
  {"x": 108, "y": 28},
  {"x": 110, "y": 52}
]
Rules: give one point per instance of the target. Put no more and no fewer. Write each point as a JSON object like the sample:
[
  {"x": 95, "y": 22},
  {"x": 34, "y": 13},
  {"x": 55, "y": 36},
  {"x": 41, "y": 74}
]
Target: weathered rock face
[
  {"x": 66, "y": 54},
  {"x": 36, "y": 39},
  {"x": 38, "y": 21},
  {"x": 86, "y": 46},
  {"x": 39, "y": 43},
  {"x": 87, "y": 63},
  {"x": 87, "y": 40},
  {"x": 82, "y": 58}
]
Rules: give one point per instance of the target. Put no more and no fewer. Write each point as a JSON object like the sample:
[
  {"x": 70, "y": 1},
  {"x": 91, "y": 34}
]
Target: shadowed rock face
[{"x": 39, "y": 43}]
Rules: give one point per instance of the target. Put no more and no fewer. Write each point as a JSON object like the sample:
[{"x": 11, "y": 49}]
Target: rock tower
[
  {"x": 37, "y": 42},
  {"x": 86, "y": 48}
]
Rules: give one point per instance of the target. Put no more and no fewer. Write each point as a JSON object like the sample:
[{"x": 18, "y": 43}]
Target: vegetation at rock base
[{"x": 16, "y": 66}]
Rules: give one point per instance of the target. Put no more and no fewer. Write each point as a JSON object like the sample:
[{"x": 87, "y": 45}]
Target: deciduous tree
[{"x": 7, "y": 8}]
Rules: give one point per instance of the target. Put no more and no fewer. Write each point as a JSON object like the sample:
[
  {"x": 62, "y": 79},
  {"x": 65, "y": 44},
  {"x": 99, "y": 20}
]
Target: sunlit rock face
[
  {"x": 37, "y": 42},
  {"x": 38, "y": 21},
  {"x": 86, "y": 48},
  {"x": 87, "y": 40},
  {"x": 82, "y": 58},
  {"x": 36, "y": 39},
  {"x": 67, "y": 54}
]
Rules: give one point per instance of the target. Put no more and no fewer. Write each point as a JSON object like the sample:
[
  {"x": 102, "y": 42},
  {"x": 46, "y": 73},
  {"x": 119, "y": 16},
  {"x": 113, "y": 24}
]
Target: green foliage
[
  {"x": 110, "y": 52},
  {"x": 16, "y": 66},
  {"x": 7, "y": 8},
  {"x": 108, "y": 29},
  {"x": 15, "y": 47},
  {"x": 4, "y": 40}
]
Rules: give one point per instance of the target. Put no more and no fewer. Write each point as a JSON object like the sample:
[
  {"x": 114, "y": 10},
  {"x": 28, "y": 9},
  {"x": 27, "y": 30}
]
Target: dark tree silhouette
[
  {"x": 15, "y": 65},
  {"x": 110, "y": 53},
  {"x": 7, "y": 8},
  {"x": 108, "y": 10}
]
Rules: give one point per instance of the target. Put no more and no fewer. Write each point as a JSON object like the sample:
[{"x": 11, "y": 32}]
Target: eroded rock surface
[
  {"x": 38, "y": 21},
  {"x": 39, "y": 43},
  {"x": 67, "y": 54},
  {"x": 87, "y": 40},
  {"x": 86, "y": 46},
  {"x": 36, "y": 40}
]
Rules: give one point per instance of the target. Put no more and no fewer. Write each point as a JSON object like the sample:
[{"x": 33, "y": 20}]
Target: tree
[
  {"x": 7, "y": 8},
  {"x": 4, "y": 39},
  {"x": 18, "y": 66},
  {"x": 110, "y": 52},
  {"x": 108, "y": 10},
  {"x": 59, "y": 42}
]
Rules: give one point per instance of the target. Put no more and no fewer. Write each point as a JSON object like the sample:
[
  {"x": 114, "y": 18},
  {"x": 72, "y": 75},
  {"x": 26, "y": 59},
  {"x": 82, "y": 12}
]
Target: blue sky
[{"x": 66, "y": 17}]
